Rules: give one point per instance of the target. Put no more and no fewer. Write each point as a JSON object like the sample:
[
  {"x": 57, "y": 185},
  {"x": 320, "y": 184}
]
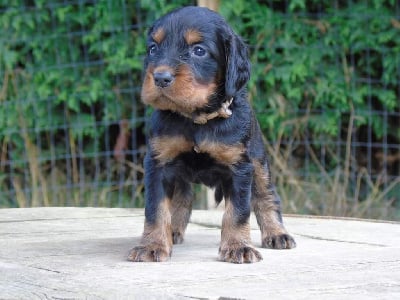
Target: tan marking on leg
[
  {"x": 236, "y": 246},
  {"x": 267, "y": 211},
  {"x": 156, "y": 242},
  {"x": 181, "y": 209}
]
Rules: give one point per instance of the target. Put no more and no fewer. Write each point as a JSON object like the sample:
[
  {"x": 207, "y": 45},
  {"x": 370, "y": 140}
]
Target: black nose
[{"x": 163, "y": 79}]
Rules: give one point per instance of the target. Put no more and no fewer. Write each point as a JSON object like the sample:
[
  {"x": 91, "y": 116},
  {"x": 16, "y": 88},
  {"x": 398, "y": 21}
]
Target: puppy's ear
[{"x": 237, "y": 65}]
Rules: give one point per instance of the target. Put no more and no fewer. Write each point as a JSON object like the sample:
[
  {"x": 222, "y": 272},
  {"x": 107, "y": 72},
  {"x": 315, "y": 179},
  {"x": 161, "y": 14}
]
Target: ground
[{"x": 80, "y": 253}]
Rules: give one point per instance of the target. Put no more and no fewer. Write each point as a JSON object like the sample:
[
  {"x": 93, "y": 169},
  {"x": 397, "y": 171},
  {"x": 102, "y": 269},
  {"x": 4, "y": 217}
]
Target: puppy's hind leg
[
  {"x": 266, "y": 204},
  {"x": 181, "y": 209}
]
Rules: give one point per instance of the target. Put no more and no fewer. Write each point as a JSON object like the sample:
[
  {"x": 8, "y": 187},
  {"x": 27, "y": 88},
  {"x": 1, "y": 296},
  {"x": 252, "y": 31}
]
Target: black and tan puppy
[{"x": 203, "y": 130}]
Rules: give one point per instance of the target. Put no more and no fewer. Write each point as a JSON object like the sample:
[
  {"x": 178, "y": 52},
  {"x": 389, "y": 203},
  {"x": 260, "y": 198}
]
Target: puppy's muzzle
[{"x": 163, "y": 79}]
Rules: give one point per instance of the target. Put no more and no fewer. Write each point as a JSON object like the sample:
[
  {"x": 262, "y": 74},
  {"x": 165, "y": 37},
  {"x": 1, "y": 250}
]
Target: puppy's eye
[
  {"x": 152, "y": 49},
  {"x": 199, "y": 51}
]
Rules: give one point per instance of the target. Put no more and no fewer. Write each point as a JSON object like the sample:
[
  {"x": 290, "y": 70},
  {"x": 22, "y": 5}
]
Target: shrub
[{"x": 324, "y": 85}]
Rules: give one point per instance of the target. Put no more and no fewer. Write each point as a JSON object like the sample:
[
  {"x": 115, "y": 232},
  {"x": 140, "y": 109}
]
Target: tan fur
[
  {"x": 265, "y": 209},
  {"x": 192, "y": 36},
  {"x": 156, "y": 243},
  {"x": 181, "y": 208},
  {"x": 236, "y": 246},
  {"x": 167, "y": 148},
  {"x": 222, "y": 153},
  {"x": 232, "y": 233},
  {"x": 261, "y": 180},
  {"x": 159, "y": 35},
  {"x": 184, "y": 95}
]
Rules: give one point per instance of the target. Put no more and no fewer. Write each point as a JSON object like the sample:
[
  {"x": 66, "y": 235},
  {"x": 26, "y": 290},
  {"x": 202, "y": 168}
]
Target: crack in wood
[{"x": 339, "y": 241}]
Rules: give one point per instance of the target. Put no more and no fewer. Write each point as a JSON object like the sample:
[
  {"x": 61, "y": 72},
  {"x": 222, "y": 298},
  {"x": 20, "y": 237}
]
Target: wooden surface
[{"x": 79, "y": 253}]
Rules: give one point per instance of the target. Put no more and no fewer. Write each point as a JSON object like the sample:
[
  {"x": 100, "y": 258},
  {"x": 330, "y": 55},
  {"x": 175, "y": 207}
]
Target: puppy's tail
[{"x": 219, "y": 194}]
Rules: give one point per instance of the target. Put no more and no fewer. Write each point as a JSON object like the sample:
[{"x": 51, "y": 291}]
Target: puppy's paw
[
  {"x": 150, "y": 253},
  {"x": 239, "y": 253},
  {"x": 279, "y": 241},
  {"x": 177, "y": 238}
]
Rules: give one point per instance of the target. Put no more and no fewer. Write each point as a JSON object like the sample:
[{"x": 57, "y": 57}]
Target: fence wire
[{"x": 73, "y": 130}]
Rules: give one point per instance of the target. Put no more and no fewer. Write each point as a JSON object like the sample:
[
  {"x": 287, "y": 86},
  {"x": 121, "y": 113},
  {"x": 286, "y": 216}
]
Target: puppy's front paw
[
  {"x": 177, "y": 237},
  {"x": 150, "y": 253},
  {"x": 239, "y": 253},
  {"x": 279, "y": 241}
]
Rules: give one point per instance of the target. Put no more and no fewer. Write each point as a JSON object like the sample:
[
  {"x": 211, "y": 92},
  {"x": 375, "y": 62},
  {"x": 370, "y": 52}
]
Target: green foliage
[
  {"x": 67, "y": 71},
  {"x": 324, "y": 85},
  {"x": 323, "y": 73},
  {"x": 312, "y": 57}
]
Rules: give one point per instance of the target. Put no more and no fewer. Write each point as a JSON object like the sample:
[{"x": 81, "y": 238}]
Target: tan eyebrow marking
[
  {"x": 192, "y": 36},
  {"x": 159, "y": 35}
]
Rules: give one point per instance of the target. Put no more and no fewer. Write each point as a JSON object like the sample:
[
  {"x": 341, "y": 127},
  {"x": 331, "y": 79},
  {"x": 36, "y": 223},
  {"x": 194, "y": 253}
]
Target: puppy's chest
[{"x": 170, "y": 148}]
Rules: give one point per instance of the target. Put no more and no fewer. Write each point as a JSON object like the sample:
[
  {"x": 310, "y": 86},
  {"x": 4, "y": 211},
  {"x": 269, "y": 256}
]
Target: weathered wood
[
  {"x": 79, "y": 253},
  {"x": 211, "y": 4}
]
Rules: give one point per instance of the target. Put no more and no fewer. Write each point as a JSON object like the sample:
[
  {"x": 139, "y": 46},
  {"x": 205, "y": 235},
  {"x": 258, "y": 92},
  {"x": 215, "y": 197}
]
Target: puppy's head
[{"x": 194, "y": 62}]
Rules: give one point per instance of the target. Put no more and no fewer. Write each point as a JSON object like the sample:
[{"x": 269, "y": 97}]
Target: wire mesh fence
[{"x": 72, "y": 127}]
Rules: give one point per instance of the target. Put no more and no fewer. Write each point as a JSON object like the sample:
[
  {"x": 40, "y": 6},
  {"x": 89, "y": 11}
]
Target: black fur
[{"x": 226, "y": 65}]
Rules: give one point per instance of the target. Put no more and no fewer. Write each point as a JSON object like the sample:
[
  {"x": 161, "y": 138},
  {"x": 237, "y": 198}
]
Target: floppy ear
[{"x": 237, "y": 71}]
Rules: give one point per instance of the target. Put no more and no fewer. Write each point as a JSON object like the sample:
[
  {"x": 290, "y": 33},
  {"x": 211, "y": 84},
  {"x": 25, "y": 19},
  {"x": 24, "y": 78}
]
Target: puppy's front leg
[
  {"x": 236, "y": 246},
  {"x": 156, "y": 242}
]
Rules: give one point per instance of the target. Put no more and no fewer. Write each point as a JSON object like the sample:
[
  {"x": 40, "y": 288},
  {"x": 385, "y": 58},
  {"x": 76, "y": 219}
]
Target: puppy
[{"x": 203, "y": 130}]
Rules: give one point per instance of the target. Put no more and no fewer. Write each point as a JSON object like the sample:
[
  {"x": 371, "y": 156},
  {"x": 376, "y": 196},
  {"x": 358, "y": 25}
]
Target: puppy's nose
[{"x": 163, "y": 79}]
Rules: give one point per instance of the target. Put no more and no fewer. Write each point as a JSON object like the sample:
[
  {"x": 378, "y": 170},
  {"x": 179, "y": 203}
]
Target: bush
[
  {"x": 324, "y": 85},
  {"x": 70, "y": 72}
]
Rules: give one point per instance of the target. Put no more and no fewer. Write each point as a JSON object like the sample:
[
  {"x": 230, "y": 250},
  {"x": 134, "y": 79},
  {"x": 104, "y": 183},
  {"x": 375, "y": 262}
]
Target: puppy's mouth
[{"x": 177, "y": 90}]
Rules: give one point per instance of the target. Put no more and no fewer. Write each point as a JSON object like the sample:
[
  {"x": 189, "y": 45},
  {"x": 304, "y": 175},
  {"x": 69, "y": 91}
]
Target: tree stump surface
[{"x": 80, "y": 253}]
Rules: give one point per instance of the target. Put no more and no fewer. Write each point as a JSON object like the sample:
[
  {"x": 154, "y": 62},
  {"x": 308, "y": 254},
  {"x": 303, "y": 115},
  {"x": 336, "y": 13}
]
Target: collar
[{"x": 202, "y": 118}]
